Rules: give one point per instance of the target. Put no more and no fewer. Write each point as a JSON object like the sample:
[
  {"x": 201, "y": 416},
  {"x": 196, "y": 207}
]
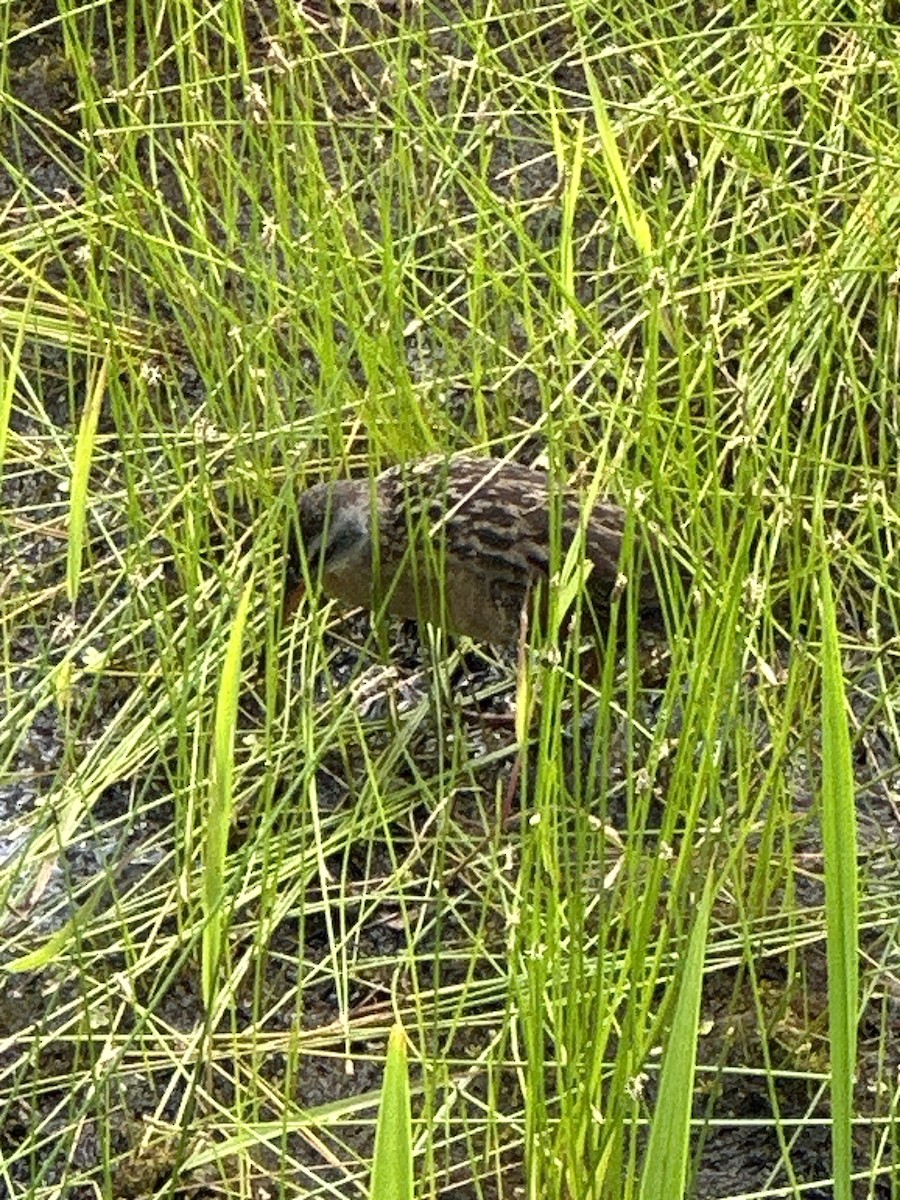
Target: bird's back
[{"x": 492, "y": 524}]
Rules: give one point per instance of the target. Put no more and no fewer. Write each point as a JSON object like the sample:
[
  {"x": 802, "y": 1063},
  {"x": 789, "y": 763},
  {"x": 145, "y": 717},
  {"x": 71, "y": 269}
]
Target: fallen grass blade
[
  {"x": 55, "y": 946},
  {"x": 221, "y": 799},
  {"x": 81, "y": 470},
  {"x": 665, "y": 1167},
  {"x": 392, "y": 1168},
  {"x": 841, "y": 892}
]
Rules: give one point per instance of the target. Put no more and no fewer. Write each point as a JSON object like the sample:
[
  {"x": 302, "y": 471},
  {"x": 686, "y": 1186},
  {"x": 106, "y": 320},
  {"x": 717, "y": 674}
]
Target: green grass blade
[
  {"x": 9, "y": 368},
  {"x": 632, "y": 217},
  {"x": 841, "y": 892},
  {"x": 665, "y": 1167},
  {"x": 221, "y": 800},
  {"x": 81, "y": 471},
  {"x": 392, "y": 1169}
]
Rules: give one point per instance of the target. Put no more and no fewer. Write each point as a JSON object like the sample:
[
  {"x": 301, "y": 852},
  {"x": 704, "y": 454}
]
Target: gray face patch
[{"x": 333, "y": 518}]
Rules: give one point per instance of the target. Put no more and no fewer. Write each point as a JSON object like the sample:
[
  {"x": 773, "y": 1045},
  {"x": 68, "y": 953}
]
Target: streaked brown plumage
[{"x": 457, "y": 542}]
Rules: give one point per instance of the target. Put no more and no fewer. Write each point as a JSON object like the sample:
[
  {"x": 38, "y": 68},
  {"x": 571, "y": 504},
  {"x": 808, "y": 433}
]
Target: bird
[{"x": 459, "y": 542}]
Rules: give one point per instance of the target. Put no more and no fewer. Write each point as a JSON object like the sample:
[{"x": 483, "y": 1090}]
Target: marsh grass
[
  {"x": 658, "y": 250},
  {"x": 839, "y": 840}
]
